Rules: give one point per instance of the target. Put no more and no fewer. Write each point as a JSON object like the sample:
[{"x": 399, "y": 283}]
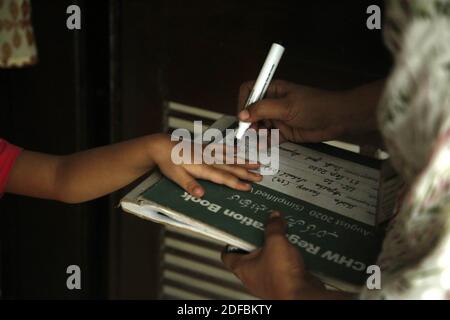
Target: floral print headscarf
[{"x": 414, "y": 118}]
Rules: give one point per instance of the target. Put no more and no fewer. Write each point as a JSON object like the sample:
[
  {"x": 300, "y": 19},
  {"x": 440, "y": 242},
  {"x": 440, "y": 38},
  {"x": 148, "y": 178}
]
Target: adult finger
[
  {"x": 277, "y": 89},
  {"x": 235, "y": 261},
  {"x": 268, "y": 109},
  {"x": 244, "y": 92}
]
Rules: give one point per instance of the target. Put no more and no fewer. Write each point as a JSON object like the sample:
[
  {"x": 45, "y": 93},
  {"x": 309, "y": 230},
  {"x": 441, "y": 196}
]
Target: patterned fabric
[
  {"x": 414, "y": 117},
  {"x": 17, "y": 45}
]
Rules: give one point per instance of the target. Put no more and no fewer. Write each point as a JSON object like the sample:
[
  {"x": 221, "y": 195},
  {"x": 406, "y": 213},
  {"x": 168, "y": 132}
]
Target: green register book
[{"x": 333, "y": 200}]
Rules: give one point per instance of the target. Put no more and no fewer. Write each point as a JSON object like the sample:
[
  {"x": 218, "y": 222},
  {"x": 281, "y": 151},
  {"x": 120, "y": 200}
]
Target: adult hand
[
  {"x": 305, "y": 114},
  {"x": 275, "y": 271}
]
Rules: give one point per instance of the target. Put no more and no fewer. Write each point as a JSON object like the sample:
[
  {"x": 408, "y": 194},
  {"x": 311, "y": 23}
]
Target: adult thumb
[{"x": 275, "y": 228}]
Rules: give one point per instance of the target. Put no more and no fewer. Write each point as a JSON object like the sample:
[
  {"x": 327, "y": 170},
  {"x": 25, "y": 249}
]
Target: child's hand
[{"x": 185, "y": 174}]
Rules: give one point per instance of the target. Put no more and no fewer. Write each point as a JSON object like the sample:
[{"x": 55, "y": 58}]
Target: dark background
[{"x": 108, "y": 81}]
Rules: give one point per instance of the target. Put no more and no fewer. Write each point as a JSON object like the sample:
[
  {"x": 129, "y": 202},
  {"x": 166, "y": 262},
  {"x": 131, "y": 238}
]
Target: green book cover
[{"x": 336, "y": 248}]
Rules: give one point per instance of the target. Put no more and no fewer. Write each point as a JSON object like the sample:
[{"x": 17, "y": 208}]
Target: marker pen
[{"x": 262, "y": 83}]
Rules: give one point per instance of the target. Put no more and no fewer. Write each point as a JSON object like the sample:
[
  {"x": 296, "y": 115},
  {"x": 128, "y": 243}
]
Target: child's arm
[{"x": 93, "y": 173}]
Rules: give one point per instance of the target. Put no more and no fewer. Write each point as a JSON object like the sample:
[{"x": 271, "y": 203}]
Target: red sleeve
[{"x": 8, "y": 155}]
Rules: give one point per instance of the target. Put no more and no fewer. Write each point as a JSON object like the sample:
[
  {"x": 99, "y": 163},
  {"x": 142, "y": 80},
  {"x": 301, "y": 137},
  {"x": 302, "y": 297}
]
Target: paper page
[{"x": 336, "y": 184}]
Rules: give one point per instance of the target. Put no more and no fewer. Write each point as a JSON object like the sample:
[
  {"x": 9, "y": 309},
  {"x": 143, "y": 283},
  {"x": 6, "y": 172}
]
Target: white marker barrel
[{"x": 262, "y": 82}]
